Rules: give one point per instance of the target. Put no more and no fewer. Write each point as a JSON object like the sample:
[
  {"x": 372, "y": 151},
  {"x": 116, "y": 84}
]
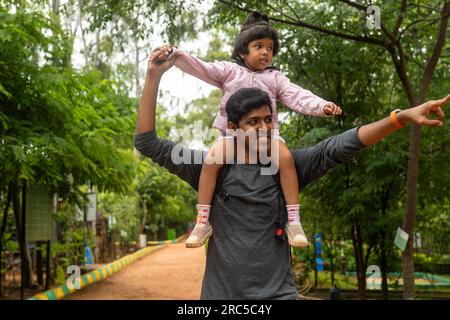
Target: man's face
[
  {"x": 259, "y": 122},
  {"x": 260, "y": 53}
]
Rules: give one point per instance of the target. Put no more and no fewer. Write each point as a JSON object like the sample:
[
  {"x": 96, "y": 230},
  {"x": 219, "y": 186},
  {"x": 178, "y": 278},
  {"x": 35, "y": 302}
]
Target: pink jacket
[{"x": 230, "y": 77}]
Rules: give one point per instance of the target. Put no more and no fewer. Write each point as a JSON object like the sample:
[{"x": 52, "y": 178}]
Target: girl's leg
[
  {"x": 289, "y": 185},
  {"x": 210, "y": 171}
]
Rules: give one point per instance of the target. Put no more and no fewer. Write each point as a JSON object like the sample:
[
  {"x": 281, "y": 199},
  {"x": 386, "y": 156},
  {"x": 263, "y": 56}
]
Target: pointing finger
[
  {"x": 441, "y": 102},
  {"x": 440, "y": 114}
]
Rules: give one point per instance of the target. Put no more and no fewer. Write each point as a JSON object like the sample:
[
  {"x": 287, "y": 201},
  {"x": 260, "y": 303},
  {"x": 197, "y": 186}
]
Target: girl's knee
[
  {"x": 211, "y": 169},
  {"x": 285, "y": 154}
]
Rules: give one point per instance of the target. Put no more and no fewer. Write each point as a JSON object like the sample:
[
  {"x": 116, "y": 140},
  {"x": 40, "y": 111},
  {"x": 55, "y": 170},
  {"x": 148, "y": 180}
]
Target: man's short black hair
[
  {"x": 245, "y": 100},
  {"x": 255, "y": 27}
]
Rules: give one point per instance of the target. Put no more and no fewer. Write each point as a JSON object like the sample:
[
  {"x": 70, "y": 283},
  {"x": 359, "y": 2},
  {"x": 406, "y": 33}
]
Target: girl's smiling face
[{"x": 260, "y": 54}]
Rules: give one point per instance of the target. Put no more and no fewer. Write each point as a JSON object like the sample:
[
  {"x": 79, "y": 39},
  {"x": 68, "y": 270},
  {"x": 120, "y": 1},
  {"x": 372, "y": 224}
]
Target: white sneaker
[
  {"x": 296, "y": 235},
  {"x": 199, "y": 235}
]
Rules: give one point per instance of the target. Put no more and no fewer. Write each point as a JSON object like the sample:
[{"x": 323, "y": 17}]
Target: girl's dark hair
[
  {"x": 245, "y": 100},
  {"x": 256, "y": 26}
]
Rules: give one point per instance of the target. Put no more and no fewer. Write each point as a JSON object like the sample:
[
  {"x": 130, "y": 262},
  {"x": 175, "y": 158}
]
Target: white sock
[
  {"x": 203, "y": 214},
  {"x": 293, "y": 211}
]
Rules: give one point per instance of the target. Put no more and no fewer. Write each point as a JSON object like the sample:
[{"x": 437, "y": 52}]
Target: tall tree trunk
[
  {"x": 137, "y": 77},
  {"x": 410, "y": 215},
  {"x": 143, "y": 219},
  {"x": 358, "y": 251},
  {"x": 383, "y": 267},
  {"x": 83, "y": 34},
  {"x": 96, "y": 61},
  {"x": 328, "y": 243},
  {"x": 383, "y": 256},
  {"x": 55, "y": 7},
  {"x": 25, "y": 252},
  {"x": 2, "y": 232},
  {"x": 332, "y": 265}
]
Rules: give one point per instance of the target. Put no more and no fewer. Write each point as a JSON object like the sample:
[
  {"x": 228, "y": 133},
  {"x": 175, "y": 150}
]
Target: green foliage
[
  {"x": 55, "y": 121},
  {"x": 69, "y": 248},
  {"x": 215, "y": 50},
  {"x": 140, "y": 17},
  {"x": 60, "y": 275},
  {"x": 123, "y": 208},
  {"x": 167, "y": 197},
  {"x": 433, "y": 226},
  {"x": 203, "y": 110}
]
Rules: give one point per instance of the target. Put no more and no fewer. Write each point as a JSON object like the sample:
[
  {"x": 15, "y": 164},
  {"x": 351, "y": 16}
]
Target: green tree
[
  {"x": 58, "y": 127},
  {"x": 163, "y": 197}
]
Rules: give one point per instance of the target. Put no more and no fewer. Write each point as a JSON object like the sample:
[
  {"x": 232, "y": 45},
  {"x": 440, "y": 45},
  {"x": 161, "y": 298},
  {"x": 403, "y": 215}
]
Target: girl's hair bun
[
  {"x": 256, "y": 26},
  {"x": 256, "y": 17}
]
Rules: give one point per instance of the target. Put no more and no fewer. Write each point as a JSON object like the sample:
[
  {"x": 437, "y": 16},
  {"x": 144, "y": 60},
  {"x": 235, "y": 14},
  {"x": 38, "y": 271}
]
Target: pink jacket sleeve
[
  {"x": 214, "y": 73},
  {"x": 298, "y": 99}
]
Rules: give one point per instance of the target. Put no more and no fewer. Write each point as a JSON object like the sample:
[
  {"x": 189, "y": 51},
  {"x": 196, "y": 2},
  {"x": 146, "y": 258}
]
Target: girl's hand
[
  {"x": 166, "y": 49},
  {"x": 331, "y": 109},
  {"x": 158, "y": 63}
]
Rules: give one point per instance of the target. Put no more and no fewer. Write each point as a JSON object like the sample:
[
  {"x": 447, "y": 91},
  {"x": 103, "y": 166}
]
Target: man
[{"x": 244, "y": 259}]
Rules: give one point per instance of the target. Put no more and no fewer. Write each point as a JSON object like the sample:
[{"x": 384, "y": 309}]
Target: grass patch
[{"x": 340, "y": 280}]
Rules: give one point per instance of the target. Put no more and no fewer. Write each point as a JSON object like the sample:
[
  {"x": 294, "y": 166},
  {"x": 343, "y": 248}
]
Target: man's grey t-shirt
[{"x": 244, "y": 259}]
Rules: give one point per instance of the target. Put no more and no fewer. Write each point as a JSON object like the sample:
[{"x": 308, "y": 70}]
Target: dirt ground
[{"x": 171, "y": 273}]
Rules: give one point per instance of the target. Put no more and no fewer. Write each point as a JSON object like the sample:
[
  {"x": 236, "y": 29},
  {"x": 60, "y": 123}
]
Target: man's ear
[
  {"x": 231, "y": 125},
  {"x": 242, "y": 56}
]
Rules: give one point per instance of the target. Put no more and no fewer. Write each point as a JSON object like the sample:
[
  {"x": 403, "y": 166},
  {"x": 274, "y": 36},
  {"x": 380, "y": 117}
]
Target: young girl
[{"x": 254, "y": 49}]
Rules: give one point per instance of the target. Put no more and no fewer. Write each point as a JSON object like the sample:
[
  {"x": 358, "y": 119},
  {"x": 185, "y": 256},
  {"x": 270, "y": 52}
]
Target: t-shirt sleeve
[
  {"x": 314, "y": 162},
  {"x": 179, "y": 160}
]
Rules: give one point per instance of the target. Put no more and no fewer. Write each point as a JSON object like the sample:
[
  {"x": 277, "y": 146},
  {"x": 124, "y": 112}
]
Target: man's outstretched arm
[
  {"x": 160, "y": 150},
  {"x": 314, "y": 162},
  {"x": 376, "y": 131}
]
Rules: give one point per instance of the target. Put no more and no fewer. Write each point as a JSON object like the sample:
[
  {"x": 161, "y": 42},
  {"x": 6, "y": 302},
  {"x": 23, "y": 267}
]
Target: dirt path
[{"x": 173, "y": 272}]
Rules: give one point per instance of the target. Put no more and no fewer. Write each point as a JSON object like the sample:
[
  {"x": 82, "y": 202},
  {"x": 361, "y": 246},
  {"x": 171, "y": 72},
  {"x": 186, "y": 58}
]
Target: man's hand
[
  {"x": 330, "y": 109},
  {"x": 373, "y": 132},
  {"x": 158, "y": 63},
  {"x": 147, "y": 107},
  {"x": 422, "y": 115}
]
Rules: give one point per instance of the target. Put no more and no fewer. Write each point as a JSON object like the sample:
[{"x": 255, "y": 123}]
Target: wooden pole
[
  {"x": 40, "y": 278},
  {"x": 47, "y": 267}
]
